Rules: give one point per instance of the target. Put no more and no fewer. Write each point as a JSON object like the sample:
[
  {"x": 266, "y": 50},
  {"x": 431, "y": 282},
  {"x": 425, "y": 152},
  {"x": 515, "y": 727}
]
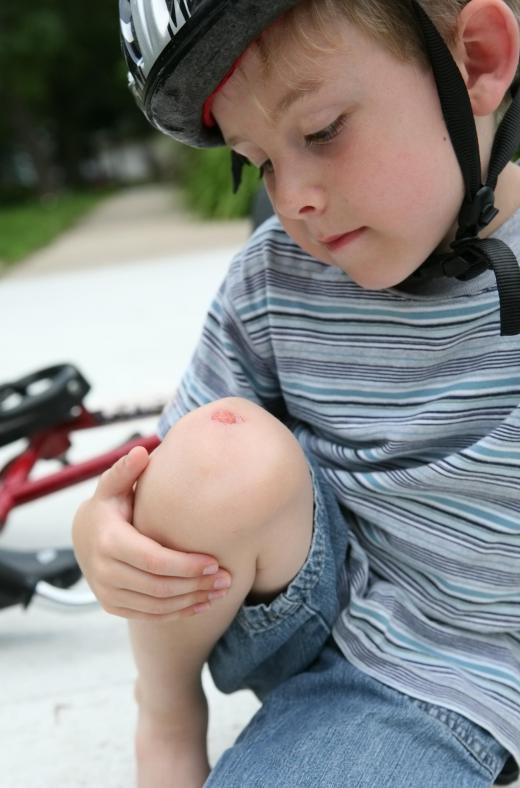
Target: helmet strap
[
  {"x": 471, "y": 255},
  {"x": 238, "y": 163}
]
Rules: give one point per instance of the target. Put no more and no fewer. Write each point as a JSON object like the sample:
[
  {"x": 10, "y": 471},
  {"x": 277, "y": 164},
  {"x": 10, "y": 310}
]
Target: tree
[
  {"x": 63, "y": 81},
  {"x": 28, "y": 44}
]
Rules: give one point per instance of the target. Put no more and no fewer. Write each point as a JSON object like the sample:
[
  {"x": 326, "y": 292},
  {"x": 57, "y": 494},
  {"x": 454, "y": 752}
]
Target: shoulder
[
  {"x": 268, "y": 247},
  {"x": 270, "y": 258}
]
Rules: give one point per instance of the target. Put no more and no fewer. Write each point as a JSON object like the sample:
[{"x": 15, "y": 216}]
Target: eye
[
  {"x": 318, "y": 138},
  {"x": 327, "y": 134}
]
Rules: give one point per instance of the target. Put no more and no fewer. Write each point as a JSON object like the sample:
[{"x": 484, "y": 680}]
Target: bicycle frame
[
  {"x": 47, "y": 423},
  {"x": 16, "y": 486}
]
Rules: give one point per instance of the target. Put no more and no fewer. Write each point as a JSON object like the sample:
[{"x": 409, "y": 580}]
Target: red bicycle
[{"x": 45, "y": 409}]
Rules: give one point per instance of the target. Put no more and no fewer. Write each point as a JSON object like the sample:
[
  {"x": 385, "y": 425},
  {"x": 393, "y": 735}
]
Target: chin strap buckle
[
  {"x": 478, "y": 213},
  {"x": 468, "y": 259}
]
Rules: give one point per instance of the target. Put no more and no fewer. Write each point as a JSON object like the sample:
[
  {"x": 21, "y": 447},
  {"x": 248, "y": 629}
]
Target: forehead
[
  {"x": 283, "y": 67},
  {"x": 297, "y": 53}
]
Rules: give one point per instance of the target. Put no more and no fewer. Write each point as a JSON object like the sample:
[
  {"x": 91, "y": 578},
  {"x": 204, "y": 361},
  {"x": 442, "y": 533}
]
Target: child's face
[{"x": 367, "y": 152}]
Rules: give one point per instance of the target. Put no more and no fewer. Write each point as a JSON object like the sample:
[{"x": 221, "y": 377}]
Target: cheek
[{"x": 402, "y": 183}]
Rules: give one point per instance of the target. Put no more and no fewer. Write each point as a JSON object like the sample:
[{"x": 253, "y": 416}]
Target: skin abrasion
[{"x": 226, "y": 417}]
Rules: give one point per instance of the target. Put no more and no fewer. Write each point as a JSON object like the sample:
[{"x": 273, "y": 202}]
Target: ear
[{"x": 487, "y": 52}]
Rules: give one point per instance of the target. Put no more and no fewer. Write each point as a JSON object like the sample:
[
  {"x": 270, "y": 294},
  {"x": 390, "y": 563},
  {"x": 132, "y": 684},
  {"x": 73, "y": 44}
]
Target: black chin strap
[
  {"x": 471, "y": 255},
  {"x": 238, "y": 163}
]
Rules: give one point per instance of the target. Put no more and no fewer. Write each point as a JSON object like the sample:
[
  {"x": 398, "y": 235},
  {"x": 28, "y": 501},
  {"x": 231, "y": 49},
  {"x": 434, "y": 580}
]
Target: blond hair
[{"x": 392, "y": 23}]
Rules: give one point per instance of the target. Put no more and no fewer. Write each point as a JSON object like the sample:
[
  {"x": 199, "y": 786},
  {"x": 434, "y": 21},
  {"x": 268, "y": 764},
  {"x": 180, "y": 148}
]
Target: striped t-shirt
[{"x": 409, "y": 400}]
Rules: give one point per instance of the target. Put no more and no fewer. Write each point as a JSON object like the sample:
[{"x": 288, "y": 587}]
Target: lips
[
  {"x": 331, "y": 239},
  {"x": 334, "y": 242}
]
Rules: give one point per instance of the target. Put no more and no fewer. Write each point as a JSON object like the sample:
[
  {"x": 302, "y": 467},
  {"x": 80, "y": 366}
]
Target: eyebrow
[{"x": 302, "y": 89}]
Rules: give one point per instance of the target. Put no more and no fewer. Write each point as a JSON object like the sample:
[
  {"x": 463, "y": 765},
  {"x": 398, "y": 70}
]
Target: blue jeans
[{"x": 323, "y": 722}]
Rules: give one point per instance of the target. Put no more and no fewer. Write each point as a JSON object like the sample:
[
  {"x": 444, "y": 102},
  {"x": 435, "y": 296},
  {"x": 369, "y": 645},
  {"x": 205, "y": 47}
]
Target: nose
[{"x": 295, "y": 193}]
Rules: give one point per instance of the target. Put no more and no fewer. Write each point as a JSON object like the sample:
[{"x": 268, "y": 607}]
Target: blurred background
[
  {"x": 71, "y": 135},
  {"x": 113, "y": 240}
]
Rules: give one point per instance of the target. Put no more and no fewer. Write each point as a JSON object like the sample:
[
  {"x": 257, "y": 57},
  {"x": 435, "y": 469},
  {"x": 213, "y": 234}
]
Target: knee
[{"x": 227, "y": 467}]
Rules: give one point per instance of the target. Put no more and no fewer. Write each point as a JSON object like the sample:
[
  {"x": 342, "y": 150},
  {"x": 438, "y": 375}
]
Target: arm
[{"x": 132, "y": 575}]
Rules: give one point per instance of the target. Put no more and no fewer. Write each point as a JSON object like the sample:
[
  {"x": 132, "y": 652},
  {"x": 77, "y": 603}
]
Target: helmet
[{"x": 179, "y": 51}]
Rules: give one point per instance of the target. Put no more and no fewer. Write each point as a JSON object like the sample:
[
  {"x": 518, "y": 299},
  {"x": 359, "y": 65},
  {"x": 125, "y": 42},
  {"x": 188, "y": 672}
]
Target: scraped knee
[{"x": 228, "y": 465}]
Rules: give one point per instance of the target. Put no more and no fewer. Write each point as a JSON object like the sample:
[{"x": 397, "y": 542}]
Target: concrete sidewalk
[
  {"x": 116, "y": 296},
  {"x": 142, "y": 223}
]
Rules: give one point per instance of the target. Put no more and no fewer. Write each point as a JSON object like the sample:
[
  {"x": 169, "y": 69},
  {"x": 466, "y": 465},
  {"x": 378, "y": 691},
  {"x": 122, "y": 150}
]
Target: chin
[
  {"x": 372, "y": 280},
  {"x": 380, "y": 277}
]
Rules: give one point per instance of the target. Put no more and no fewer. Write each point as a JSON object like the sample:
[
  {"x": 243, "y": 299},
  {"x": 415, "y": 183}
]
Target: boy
[{"x": 346, "y": 440}]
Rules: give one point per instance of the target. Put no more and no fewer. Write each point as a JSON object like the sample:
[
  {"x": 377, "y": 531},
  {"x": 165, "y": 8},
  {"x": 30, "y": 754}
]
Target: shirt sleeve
[{"x": 234, "y": 355}]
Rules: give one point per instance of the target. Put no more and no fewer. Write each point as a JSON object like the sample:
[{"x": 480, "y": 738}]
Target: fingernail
[
  {"x": 216, "y": 594},
  {"x": 222, "y": 582},
  {"x": 202, "y": 608},
  {"x": 212, "y": 569}
]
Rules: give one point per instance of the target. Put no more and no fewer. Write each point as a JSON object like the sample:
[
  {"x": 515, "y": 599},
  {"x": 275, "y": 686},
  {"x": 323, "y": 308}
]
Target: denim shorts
[{"x": 324, "y": 722}]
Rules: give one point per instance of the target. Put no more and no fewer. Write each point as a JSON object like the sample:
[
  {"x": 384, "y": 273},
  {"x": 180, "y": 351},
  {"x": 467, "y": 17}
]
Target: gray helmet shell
[{"x": 179, "y": 51}]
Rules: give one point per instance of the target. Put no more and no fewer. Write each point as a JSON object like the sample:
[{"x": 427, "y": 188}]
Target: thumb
[{"x": 121, "y": 477}]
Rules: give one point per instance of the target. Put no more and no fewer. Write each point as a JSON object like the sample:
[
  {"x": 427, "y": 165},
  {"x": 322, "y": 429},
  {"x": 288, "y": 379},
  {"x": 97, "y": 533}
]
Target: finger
[
  {"x": 141, "y": 552},
  {"x": 141, "y": 603},
  {"x": 121, "y": 477},
  {"x": 163, "y": 587},
  {"x": 133, "y": 615}
]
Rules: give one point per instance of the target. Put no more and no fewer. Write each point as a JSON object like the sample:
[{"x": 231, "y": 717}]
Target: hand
[{"x": 132, "y": 575}]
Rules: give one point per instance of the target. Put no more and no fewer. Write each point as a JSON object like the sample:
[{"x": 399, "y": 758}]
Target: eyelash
[
  {"x": 327, "y": 134},
  {"x": 319, "y": 138}
]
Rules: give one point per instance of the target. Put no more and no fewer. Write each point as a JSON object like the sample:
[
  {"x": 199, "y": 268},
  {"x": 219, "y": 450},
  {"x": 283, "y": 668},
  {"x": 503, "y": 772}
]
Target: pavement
[
  {"x": 123, "y": 296},
  {"x": 138, "y": 224}
]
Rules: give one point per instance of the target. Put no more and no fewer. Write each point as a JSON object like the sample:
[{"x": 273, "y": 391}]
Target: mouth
[{"x": 335, "y": 242}]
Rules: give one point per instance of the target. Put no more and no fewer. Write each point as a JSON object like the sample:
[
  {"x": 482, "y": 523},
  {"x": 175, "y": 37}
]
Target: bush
[{"x": 207, "y": 184}]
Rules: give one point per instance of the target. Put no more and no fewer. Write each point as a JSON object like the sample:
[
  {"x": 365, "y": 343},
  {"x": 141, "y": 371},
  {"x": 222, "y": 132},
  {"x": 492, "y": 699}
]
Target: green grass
[{"x": 26, "y": 227}]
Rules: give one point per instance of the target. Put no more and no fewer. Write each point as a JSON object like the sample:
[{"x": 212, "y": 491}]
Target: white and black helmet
[{"x": 179, "y": 51}]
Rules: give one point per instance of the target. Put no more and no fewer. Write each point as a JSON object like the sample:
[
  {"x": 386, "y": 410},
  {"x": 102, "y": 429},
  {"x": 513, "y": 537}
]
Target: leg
[
  {"x": 333, "y": 725},
  {"x": 231, "y": 480}
]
